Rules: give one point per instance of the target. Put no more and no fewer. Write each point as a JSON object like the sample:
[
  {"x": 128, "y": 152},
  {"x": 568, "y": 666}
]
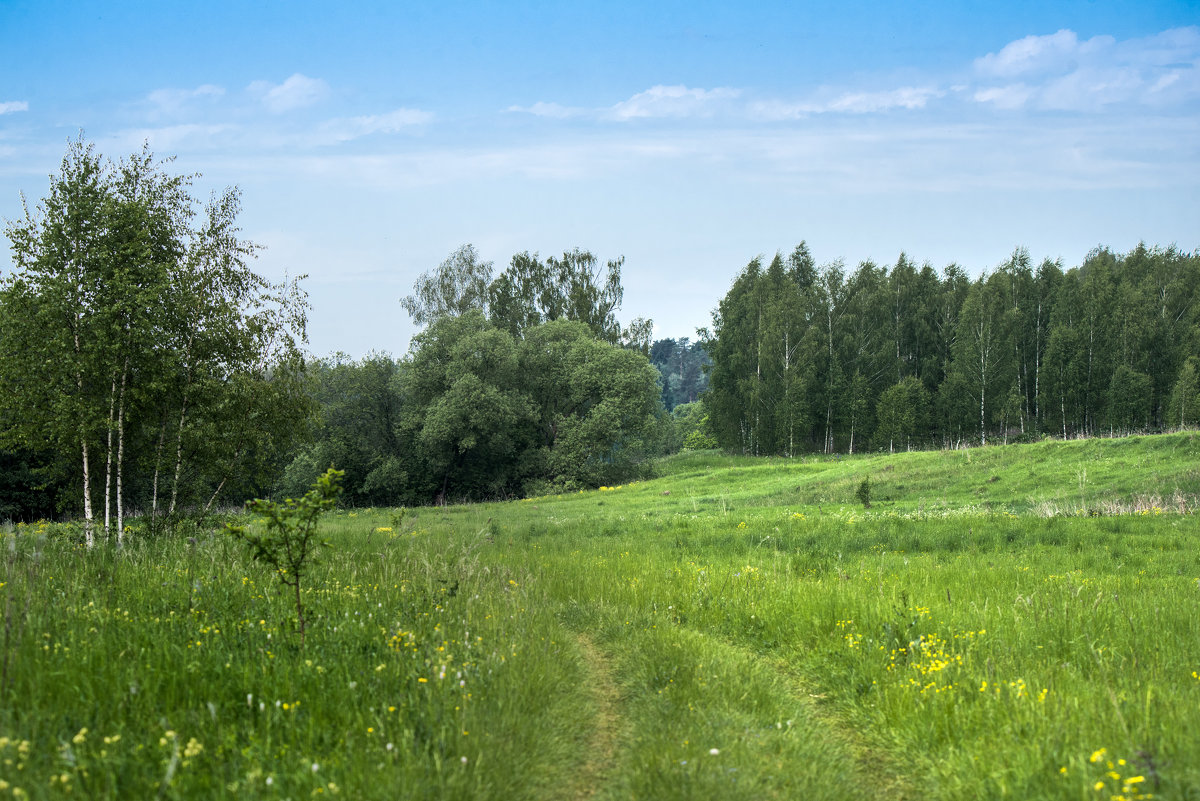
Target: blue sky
[{"x": 372, "y": 139}]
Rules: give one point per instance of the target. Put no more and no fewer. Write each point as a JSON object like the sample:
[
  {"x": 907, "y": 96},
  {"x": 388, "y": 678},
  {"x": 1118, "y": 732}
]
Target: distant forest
[{"x": 818, "y": 359}]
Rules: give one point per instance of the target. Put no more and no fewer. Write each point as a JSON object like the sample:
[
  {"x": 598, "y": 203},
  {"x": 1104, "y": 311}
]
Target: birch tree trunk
[{"x": 121, "y": 454}]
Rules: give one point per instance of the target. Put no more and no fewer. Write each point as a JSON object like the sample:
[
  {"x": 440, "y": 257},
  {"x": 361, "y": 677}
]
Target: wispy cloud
[
  {"x": 1061, "y": 72},
  {"x": 344, "y": 129},
  {"x": 174, "y": 138},
  {"x": 13, "y": 105},
  {"x": 553, "y": 110},
  {"x": 1058, "y": 71},
  {"x": 296, "y": 92},
  {"x": 177, "y": 101},
  {"x": 905, "y": 97},
  {"x": 1004, "y": 97},
  {"x": 684, "y": 103},
  {"x": 672, "y": 101},
  {"x": 657, "y": 102}
]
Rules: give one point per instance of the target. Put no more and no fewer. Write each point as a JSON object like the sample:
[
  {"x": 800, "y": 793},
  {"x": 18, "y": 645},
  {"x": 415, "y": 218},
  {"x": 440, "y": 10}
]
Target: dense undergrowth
[{"x": 1005, "y": 622}]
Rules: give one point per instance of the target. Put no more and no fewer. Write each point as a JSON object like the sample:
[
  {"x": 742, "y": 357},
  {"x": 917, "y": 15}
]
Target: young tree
[
  {"x": 51, "y": 374},
  {"x": 288, "y": 544}
]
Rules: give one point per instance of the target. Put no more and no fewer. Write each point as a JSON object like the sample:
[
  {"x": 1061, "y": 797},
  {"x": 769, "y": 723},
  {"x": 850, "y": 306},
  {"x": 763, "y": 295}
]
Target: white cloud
[
  {"x": 343, "y": 129},
  {"x": 13, "y": 105},
  {"x": 1060, "y": 72},
  {"x": 1040, "y": 54},
  {"x": 672, "y": 101},
  {"x": 297, "y": 91}
]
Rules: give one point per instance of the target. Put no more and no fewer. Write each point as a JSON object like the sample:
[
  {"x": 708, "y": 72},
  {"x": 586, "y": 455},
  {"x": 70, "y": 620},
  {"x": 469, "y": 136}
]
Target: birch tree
[
  {"x": 49, "y": 369},
  {"x": 146, "y": 346}
]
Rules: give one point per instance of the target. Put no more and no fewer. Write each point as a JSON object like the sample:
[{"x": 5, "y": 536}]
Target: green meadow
[{"x": 1009, "y": 622}]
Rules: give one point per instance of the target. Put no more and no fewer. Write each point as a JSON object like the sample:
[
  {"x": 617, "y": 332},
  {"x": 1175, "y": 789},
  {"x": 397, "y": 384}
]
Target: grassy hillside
[
  {"x": 1047, "y": 477},
  {"x": 1019, "y": 622}
]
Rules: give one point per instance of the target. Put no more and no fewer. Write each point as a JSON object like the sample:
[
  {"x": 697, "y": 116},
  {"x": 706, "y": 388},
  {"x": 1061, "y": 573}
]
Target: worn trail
[{"x": 608, "y": 724}]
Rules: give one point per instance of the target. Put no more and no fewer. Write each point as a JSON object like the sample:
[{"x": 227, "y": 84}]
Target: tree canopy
[
  {"x": 474, "y": 413},
  {"x": 531, "y": 291}
]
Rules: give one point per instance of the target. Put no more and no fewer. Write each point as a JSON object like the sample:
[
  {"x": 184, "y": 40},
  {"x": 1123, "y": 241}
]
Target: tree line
[
  {"x": 145, "y": 367},
  {"x": 819, "y": 359}
]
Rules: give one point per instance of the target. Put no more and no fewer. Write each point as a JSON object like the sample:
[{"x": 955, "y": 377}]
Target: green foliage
[
  {"x": 863, "y": 493},
  {"x": 459, "y": 284},
  {"x": 691, "y": 425},
  {"x": 464, "y": 409},
  {"x": 682, "y": 366},
  {"x": 902, "y": 412},
  {"x": 287, "y": 543},
  {"x": 596, "y": 402},
  {"x": 474, "y": 413},
  {"x": 1129, "y": 399},
  {"x": 359, "y": 409},
  {"x": 139, "y": 353},
  {"x": 1184, "y": 404}
]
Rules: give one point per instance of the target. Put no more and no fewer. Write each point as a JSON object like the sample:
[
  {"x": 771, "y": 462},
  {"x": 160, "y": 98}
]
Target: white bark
[{"x": 121, "y": 454}]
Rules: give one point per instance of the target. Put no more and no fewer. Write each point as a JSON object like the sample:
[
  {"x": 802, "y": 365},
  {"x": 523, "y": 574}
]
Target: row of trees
[
  {"x": 818, "y": 359},
  {"x": 142, "y": 361}
]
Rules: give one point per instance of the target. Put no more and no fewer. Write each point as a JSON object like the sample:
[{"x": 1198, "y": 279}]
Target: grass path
[
  {"x": 876, "y": 775},
  {"x": 865, "y": 771},
  {"x": 609, "y": 726}
]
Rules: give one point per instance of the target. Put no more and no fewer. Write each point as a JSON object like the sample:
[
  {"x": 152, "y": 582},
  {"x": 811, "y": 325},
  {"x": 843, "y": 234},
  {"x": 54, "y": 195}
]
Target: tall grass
[{"x": 734, "y": 629}]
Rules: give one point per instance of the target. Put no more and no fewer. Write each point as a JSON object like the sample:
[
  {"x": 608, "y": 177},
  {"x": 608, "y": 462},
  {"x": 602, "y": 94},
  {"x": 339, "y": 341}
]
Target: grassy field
[{"x": 1009, "y": 622}]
